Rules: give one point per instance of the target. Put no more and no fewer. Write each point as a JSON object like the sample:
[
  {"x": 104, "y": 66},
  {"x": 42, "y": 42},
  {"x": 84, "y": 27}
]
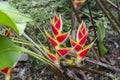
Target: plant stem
[
  {"x": 7, "y": 77},
  {"x": 74, "y": 21},
  {"x": 114, "y": 5},
  {"x": 94, "y": 27},
  {"x": 117, "y": 3},
  {"x": 103, "y": 65},
  {"x": 76, "y": 12},
  {"x": 39, "y": 57},
  {"x": 84, "y": 68},
  {"x": 52, "y": 66},
  {"x": 43, "y": 53}
]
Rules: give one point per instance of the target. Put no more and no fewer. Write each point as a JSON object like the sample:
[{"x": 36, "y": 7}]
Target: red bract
[
  {"x": 51, "y": 40},
  {"x": 54, "y": 29},
  {"x": 77, "y": 46},
  {"x": 77, "y": 3},
  {"x": 83, "y": 40},
  {"x": 62, "y": 37},
  {"x": 63, "y": 51},
  {"x": 83, "y": 52},
  {"x": 52, "y": 57},
  {"x": 81, "y": 32},
  {"x": 5, "y": 70},
  {"x": 56, "y": 24}
]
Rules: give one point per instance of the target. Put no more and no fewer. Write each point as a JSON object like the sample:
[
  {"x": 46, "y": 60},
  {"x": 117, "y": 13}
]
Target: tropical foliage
[{"x": 56, "y": 43}]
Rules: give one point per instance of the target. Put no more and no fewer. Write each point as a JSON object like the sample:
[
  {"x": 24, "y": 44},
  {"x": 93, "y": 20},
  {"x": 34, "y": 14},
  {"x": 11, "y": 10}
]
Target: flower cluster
[{"x": 59, "y": 38}]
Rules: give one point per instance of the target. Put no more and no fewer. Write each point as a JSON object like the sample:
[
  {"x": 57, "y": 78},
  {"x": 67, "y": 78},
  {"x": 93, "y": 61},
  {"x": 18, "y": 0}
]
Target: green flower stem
[
  {"x": 22, "y": 42},
  {"x": 37, "y": 56},
  {"x": 36, "y": 24},
  {"x": 54, "y": 67},
  {"x": 7, "y": 77},
  {"x": 36, "y": 45}
]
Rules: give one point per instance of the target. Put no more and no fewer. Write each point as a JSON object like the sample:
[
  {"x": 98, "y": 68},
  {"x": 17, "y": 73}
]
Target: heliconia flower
[
  {"x": 7, "y": 33},
  {"x": 63, "y": 51},
  {"x": 57, "y": 40},
  {"x": 81, "y": 37},
  {"x": 51, "y": 40},
  {"x": 77, "y": 3},
  {"x": 80, "y": 41}
]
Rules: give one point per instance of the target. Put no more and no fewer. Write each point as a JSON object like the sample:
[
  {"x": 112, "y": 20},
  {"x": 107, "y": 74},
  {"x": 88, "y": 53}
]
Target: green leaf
[
  {"x": 9, "y": 53},
  {"x": 100, "y": 31},
  {"x": 103, "y": 49},
  {"x": 101, "y": 35},
  {"x": 12, "y": 18}
]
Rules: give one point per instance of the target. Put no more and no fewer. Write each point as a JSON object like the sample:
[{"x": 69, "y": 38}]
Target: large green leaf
[
  {"x": 9, "y": 53},
  {"x": 12, "y": 17}
]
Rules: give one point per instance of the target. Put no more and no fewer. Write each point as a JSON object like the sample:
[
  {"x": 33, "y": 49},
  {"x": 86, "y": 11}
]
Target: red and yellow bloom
[
  {"x": 80, "y": 42},
  {"x": 58, "y": 39}
]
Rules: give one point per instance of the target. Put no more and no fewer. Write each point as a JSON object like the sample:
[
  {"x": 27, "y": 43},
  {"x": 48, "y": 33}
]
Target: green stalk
[
  {"x": 37, "y": 56},
  {"x": 39, "y": 29},
  {"x": 52, "y": 66},
  {"x": 36, "y": 45},
  {"x": 22, "y": 42},
  {"x": 7, "y": 77}
]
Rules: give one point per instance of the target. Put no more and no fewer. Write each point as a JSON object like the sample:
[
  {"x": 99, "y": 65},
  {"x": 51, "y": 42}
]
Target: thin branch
[
  {"x": 114, "y": 5},
  {"x": 91, "y": 70},
  {"x": 76, "y": 12},
  {"x": 117, "y": 3},
  {"x": 104, "y": 65},
  {"x": 94, "y": 27},
  {"x": 109, "y": 15}
]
